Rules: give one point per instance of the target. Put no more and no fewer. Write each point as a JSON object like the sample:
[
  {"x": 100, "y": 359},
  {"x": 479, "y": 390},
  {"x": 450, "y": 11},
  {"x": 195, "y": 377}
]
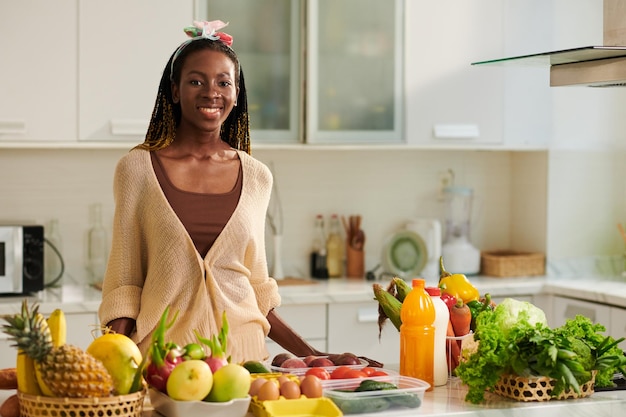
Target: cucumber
[
  {"x": 255, "y": 367},
  {"x": 405, "y": 400},
  {"x": 371, "y": 385},
  {"x": 362, "y": 405}
]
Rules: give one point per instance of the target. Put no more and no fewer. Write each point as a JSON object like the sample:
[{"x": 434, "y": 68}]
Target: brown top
[{"x": 203, "y": 215}]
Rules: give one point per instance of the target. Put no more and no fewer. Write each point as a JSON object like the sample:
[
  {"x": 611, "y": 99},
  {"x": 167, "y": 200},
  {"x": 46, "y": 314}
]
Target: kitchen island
[{"x": 449, "y": 400}]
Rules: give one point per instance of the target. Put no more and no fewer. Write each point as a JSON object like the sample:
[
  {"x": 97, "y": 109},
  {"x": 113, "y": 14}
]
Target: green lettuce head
[{"x": 511, "y": 312}]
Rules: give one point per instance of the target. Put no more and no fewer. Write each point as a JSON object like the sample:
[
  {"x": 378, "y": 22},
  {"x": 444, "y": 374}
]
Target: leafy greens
[{"x": 515, "y": 339}]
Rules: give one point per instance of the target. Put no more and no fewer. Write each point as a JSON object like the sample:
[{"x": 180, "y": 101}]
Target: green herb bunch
[{"x": 567, "y": 354}]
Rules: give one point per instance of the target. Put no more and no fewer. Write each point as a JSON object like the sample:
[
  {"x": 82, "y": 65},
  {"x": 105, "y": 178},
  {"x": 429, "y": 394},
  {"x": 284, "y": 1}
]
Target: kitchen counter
[
  {"x": 609, "y": 290},
  {"x": 449, "y": 401}
]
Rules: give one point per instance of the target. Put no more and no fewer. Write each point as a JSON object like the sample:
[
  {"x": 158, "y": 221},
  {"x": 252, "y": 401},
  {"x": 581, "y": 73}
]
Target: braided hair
[{"x": 167, "y": 114}]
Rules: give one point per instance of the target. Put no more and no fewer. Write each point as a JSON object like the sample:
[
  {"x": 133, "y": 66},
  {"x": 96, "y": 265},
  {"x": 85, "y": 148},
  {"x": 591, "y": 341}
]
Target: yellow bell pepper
[{"x": 457, "y": 285}]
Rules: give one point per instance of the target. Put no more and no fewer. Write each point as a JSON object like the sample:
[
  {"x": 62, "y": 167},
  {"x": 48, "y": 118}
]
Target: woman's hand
[{"x": 123, "y": 325}]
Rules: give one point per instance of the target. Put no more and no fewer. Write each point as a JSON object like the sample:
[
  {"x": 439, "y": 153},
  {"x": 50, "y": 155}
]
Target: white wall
[{"x": 386, "y": 187}]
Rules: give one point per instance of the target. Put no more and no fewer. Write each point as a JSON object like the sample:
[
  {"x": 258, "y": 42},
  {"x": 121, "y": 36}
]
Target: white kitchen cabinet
[
  {"x": 38, "y": 85},
  {"x": 352, "y": 88},
  {"x": 353, "y": 327},
  {"x": 617, "y": 328},
  {"x": 567, "y": 308},
  {"x": 123, "y": 47},
  {"x": 308, "y": 320}
]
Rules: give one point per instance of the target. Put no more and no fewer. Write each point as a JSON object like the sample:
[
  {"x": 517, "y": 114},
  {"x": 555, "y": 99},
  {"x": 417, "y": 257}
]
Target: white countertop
[
  {"x": 608, "y": 290},
  {"x": 442, "y": 401}
]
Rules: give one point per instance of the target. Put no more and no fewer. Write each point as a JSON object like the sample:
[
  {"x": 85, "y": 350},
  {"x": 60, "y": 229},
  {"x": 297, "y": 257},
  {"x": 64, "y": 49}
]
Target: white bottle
[
  {"x": 442, "y": 316},
  {"x": 98, "y": 246}
]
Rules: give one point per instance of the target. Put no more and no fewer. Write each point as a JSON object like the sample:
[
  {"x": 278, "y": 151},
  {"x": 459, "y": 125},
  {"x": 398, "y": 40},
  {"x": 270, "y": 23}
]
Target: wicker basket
[
  {"x": 130, "y": 405},
  {"x": 512, "y": 264},
  {"x": 537, "y": 388}
]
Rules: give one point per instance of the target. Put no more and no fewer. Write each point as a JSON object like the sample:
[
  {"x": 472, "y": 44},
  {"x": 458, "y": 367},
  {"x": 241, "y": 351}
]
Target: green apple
[
  {"x": 229, "y": 382},
  {"x": 120, "y": 356},
  {"x": 190, "y": 380}
]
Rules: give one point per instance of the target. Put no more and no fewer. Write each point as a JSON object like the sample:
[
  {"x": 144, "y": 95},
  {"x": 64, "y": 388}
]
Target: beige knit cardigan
[{"x": 153, "y": 263}]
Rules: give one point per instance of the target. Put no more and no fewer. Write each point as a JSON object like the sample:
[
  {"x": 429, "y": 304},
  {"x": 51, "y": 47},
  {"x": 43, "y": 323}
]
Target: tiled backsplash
[{"x": 513, "y": 207}]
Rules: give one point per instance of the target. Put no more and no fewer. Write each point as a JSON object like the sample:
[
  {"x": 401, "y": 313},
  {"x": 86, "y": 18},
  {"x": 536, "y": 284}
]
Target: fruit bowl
[
  {"x": 129, "y": 405},
  {"x": 172, "y": 408}
]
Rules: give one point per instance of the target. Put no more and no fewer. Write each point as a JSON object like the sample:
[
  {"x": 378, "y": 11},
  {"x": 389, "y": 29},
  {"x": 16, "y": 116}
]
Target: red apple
[{"x": 190, "y": 380}]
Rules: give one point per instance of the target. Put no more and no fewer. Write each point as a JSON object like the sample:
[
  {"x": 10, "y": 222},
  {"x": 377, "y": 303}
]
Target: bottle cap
[
  {"x": 433, "y": 291},
  {"x": 418, "y": 282}
]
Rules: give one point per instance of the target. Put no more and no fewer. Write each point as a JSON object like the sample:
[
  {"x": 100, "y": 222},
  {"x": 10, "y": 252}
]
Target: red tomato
[
  {"x": 354, "y": 373},
  {"x": 368, "y": 370},
  {"x": 321, "y": 373},
  {"x": 379, "y": 373},
  {"x": 338, "y": 373}
]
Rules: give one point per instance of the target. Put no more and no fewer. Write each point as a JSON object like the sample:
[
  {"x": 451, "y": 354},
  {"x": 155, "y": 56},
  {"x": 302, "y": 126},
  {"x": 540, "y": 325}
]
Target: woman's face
[{"x": 207, "y": 91}]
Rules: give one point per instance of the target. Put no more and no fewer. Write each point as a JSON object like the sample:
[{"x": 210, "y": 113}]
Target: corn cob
[
  {"x": 402, "y": 288},
  {"x": 388, "y": 308}
]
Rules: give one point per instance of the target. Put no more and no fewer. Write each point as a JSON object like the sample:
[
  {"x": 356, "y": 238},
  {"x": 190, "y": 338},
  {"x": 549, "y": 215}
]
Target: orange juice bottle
[{"x": 417, "y": 334}]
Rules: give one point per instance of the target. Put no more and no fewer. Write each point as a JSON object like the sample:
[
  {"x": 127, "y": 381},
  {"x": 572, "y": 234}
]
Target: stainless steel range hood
[{"x": 591, "y": 66}]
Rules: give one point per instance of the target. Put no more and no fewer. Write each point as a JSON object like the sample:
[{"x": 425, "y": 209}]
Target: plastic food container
[
  {"x": 409, "y": 395},
  {"x": 302, "y": 407},
  {"x": 172, "y": 408},
  {"x": 302, "y": 371}
]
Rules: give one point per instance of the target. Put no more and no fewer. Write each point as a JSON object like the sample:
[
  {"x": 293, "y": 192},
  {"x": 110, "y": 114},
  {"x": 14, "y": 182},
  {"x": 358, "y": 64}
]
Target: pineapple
[{"x": 66, "y": 370}]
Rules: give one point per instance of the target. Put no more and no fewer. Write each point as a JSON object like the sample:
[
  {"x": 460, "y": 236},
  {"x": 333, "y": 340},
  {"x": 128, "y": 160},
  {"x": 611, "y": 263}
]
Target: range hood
[{"x": 591, "y": 66}]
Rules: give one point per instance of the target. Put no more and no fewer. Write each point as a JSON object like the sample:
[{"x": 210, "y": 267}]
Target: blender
[{"x": 459, "y": 255}]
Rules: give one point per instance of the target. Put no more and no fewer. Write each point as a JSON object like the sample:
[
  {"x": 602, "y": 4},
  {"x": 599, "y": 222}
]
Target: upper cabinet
[
  {"x": 321, "y": 71},
  {"x": 38, "y": 83},
  {"x": 123, "y": 48}
]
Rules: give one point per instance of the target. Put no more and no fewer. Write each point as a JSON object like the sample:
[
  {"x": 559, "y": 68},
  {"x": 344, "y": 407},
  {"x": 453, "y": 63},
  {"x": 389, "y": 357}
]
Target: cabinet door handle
[
  {"x": 572, "y": 311},
  {"x": 128, "y": 127},
  {"x": 12, "y": 127},
  {"x": 367, "y": 315}
]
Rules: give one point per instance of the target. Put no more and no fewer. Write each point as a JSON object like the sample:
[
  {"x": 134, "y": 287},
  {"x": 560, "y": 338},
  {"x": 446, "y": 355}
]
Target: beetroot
[{"x": 217, "y": 345}]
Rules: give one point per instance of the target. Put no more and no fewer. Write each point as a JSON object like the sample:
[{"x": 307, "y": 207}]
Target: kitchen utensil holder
[{"x": 355, "y": 263}]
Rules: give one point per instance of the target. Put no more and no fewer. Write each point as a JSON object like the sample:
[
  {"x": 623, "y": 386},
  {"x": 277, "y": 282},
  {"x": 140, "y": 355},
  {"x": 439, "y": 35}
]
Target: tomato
[
  {"x": 379, "y": 373},
  {"x": 338, "y": 373},
  {"x": 354, "y": 373},
  {"x": 368, "y": 370},
  {"x": 321, "y": 373}
]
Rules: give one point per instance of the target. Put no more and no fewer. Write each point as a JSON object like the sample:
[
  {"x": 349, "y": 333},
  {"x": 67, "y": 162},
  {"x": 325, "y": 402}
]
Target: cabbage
[{"x": 511, "y": 312}]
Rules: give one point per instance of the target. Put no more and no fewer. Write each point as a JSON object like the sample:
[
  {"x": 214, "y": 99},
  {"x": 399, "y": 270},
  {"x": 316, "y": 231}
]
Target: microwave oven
[{"x": 21, "y": 259}]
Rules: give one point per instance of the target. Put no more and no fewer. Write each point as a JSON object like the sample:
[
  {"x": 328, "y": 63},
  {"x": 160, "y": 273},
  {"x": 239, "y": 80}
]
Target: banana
[
  {"x": 58, "y": 327},
  {"x": 42, "y": 385},
  {"x": 26, "y": 378}
]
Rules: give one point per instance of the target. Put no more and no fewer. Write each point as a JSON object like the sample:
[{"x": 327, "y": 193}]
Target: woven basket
[
  {"x": 512, "y": 264},
  {"x": 130, "y": 405},
  {"x": 537, "y": 388}
]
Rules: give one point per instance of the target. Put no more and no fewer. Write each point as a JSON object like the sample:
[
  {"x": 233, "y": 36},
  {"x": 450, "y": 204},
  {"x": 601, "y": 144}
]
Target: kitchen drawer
[
  {"x": 353, "y": 327},
  {"x": 309, "y": 320},
  {"x": 617, "y": 328},
  {"x": 567, "y": 308}
]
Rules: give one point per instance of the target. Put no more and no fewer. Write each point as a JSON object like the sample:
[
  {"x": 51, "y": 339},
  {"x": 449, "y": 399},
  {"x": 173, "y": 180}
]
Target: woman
[{"x": 190, "y": 211}]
